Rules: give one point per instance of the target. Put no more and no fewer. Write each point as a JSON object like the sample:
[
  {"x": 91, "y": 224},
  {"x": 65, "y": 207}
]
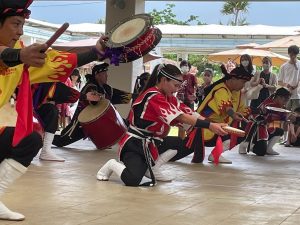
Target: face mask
[
  {"x": 245, "y": 63},
  {"x": 266, "y": 66},
  {"x": 185, "y": 69}
]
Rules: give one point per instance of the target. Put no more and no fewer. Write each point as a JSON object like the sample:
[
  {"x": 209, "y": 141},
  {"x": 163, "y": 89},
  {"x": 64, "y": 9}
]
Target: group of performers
[
  {"x": 40, "y": 74},
  {"x": 146, "y": 146},
  {"x": 20, "y": 65}
]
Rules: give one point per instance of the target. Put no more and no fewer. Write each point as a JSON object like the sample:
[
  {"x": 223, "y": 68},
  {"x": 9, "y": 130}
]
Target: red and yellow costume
[
  {"x": 213, "y": 107},
  {"x": 57, "y": 68}
]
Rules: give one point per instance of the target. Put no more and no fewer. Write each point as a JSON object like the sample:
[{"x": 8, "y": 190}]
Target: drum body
[
  {"x": 102, "y": 124},
  {"x": 133, "y": 38}
]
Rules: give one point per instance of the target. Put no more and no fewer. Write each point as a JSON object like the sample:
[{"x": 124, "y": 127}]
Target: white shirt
[{"x": 288, "y": 74}]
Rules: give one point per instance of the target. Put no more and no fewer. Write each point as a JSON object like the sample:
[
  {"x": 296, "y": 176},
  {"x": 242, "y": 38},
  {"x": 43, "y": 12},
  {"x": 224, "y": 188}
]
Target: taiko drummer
[
  {"x": 17, "y": 149},
  {"x": 97, "y": 83},
  {"x": 223, "y": 104},
  {"x": 262, "y": 137},
  {"x": 150, "y": 118}
]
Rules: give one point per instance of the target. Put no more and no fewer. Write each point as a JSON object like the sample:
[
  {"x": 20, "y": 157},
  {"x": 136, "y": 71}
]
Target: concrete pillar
[{"x": 123, "y": 76}]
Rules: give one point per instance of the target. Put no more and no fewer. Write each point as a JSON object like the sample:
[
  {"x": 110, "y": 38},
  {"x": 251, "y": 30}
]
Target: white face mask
[
  {"x": 185, "y": 69},
  {"x": 266, "y": 66},
  {"x": 245, "y": 63}
]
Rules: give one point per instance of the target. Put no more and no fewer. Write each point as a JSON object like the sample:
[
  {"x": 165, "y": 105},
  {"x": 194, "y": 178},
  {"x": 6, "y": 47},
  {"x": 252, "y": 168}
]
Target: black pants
[
  {"x": 175, "y": 143},
  {"x": 133, "y": 157},
  {"x": 260, "y": 147},
  {"x": 66, "y": 138},
  {"x": 48, "y": 115},
  {"x": 24, "y": 152}
]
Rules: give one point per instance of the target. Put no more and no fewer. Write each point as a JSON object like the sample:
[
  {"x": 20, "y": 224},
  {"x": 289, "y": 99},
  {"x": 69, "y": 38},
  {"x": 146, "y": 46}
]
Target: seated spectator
[{"x": 294, "y": 130}]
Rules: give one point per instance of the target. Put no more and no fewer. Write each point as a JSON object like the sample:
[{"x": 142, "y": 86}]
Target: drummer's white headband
[{"x": 164, "y": 73}]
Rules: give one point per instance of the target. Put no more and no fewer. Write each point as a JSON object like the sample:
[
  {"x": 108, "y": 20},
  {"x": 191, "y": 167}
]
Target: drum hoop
[
  {"x": 148, "y": 21},
  {"x": 154, "y": 32},
  {"x": 151, "y": 35},
  {"x": 96, "y": 118}
]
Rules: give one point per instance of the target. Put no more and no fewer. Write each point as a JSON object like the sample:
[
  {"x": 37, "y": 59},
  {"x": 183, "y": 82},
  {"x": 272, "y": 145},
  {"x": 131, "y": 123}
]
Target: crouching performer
[
  {"x": 260, "y": 137},
  {"x": 150, "y": 118}
]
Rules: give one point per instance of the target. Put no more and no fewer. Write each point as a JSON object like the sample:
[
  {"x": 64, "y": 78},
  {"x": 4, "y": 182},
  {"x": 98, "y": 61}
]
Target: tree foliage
[
  {"x": 201, "y": 62},
  {"x": 101, "y": 21},
  {"x": 236, "y": 8},
  {"x": 167, "y": 16}
]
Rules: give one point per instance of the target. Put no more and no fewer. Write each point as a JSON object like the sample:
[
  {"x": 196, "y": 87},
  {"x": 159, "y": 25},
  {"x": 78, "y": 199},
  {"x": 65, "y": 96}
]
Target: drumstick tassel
[{"x": 218, "y": 150}]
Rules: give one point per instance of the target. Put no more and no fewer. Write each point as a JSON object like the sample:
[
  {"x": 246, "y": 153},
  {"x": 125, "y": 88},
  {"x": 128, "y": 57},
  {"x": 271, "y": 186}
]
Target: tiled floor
[{"x": 253, "y": 190}]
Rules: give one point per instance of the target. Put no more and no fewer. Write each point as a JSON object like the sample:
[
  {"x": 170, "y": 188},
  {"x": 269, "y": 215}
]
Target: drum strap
[{"x": 146, "y": 140}]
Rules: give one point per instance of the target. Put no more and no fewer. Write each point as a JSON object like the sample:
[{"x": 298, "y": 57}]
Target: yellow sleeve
[
  {"x": 58, "y": 67},
  {"x": 220, "y": 101}
]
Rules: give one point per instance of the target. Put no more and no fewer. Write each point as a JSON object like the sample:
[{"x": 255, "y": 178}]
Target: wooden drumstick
[{"x": 57, "y": 34}]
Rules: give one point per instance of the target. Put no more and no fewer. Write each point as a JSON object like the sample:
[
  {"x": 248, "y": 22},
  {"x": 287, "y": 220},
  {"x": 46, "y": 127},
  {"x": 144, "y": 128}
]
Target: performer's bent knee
[
  {"x": 129, "y": 179},
  {"x": 27, "y": 149},
  {"x": 37, "y": 141}
]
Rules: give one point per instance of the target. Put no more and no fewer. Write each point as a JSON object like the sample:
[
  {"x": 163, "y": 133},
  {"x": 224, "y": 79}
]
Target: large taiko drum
[
  {"x": 133, "y": 37},
  {"x": 102, "y": 124}
]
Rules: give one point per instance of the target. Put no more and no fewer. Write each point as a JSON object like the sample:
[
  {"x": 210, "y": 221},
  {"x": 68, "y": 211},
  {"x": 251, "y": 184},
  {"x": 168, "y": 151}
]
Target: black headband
[{"x": 165, "y": 74}]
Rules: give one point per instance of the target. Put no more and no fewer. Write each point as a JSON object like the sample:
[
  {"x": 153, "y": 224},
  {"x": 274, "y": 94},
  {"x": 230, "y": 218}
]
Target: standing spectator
[
  {"x": 230, "y": 65},
  {"x": 188, "y": 88},
  {"x": 268, "y": 81},
  {"x": 187, "y": 91},
  {"x": 289, "y": 77},
  {"x": 207, "y": 80},
  {"x": 246, "y": 62},
  {"x": 64, "y": 110},
  {"x": 294, "y": 129},
  {"x": 76, "y": 84}
]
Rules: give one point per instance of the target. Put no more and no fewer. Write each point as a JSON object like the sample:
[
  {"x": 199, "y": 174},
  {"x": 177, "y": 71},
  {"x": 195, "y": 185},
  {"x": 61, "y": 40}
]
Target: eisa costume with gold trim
[
  {"x": 57, "y": 67},
  {"x": 15, "y": 158},
  {"x": 213, "y": 107}
]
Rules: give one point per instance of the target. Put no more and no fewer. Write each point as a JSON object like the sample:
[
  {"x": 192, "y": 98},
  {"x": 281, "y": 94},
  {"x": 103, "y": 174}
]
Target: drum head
[
  {"x": 92, "y": 112},
  {"x": 128, "y": 30}
]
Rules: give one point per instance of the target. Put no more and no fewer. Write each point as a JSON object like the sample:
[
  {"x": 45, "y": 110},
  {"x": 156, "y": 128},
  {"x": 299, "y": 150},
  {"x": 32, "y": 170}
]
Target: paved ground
[{"x": 253, "y": 190}]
